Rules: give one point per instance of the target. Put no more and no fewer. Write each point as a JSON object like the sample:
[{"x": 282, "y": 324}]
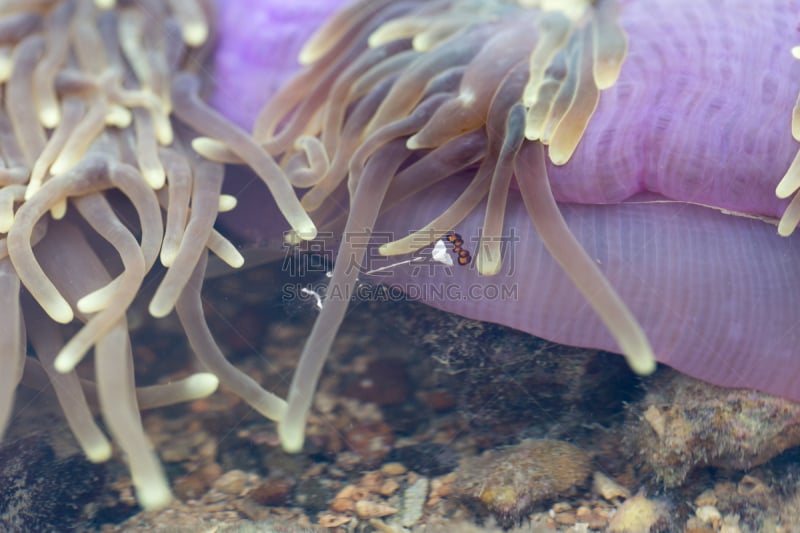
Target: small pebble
[
  {"x": 440, "y": 488},
  {"x": 342, "y": 505},
  {"x": 371, "y": 481},
  {"x": 232, "y": 482},
  {"x": 730, "y": 524},
  {"x": 250, "y": 509},
  {"x": 388, "y": 488},
  {"x": 366, "y": 509},
  {"x": 561, "y": 507},
  {"x": 636, "y": 515},
  {"x": 331, "y": 521},
  {"x": 272, "y": 493},
  {"x": 393, "y": 469},
  {"x": 695, "y": 525},
  {"x": 708, "y": 514},
  {"x": 609, "y": 489},
  {"x": 347, "y": 492},
  {"x": 414, "y": 502},
  {"x": 211, "y": 473},
  {"x": 565, "y": 519}
]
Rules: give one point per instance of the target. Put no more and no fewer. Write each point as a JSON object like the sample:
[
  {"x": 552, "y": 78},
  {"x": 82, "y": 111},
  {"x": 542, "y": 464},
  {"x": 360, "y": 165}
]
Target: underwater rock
[
  {"x": 272, "y": 493},
  {"x": 41, "y": 492},
  {"x": 505, "y": 380},
  {"x": 683, "y": 423},
  {"x": 509, "y": 483}
]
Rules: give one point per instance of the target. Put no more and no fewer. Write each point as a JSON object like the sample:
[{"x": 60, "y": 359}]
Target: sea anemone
[
  {"x": 456, "y": 104},
  {"x": 401, "y": 96},
  {"x": 97, "y": 183},
  {"x": 468, "y": 101}
]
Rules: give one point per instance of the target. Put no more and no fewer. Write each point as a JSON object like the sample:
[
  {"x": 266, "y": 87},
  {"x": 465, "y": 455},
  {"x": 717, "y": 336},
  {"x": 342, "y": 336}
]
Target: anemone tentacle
[
  {"x": 87, "y": 138},
  {"x": 463, "y": 84}
]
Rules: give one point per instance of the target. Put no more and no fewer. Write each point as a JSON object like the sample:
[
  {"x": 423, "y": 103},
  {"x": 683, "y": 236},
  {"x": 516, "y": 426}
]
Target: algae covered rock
[
  {"x": 42, "y": 492},
  {"x": 505, "y": 380},
  {"x": 683, "y": 423},
  {"x": 510, "y": 482}
]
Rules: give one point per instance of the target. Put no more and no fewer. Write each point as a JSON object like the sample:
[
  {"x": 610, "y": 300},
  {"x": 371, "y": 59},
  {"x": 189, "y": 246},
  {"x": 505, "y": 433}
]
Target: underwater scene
[{"x": 400, "y": 266}]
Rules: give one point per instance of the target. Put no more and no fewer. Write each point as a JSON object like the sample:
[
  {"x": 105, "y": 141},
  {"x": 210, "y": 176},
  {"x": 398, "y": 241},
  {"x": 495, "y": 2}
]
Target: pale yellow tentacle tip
[
  {"x": 231, "y": 257},
  {"x": 60, "y": 311},
  {"x": 59, "y": 209},
  {"x": 292, "y": 436},
  {"x": 159, "y": 310},
  {"x": 153, "y": 495},
  {"x": 214, "y": 150},
  {"x": 788, "y": 222},
  {"x": 308, "y": 54},
  {"x": 99, "y": 453},
  {"x": 307, "y": 233},
  {"x": 790, "y": 182},
  {"x": 560, "y": 155},
  {"x": 227, "y": 203},
  {"x": 642, "y": 364},
  {"x": 488, "y": 264},
  {"x": 66, "y": 362},
  {"x": 202, "y": 384},
  {"x": 155, "y": 177},
  {"x": 195, "y": 33},
  {"x": 97, "y": 300},
  {"x": 635, "y": 347},
  {"x": 785, "y": 229},
  {"x": 50, "y": 116}
]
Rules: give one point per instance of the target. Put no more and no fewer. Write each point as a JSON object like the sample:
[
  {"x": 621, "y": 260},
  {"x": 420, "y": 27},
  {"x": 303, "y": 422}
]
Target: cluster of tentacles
[
  {"x": 398, "y": 96},
  {"x": 98, "y": 184}
]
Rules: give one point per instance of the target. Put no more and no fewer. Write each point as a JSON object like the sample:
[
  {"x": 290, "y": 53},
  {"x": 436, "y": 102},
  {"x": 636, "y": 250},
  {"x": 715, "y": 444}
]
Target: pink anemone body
[{"x": 695, "y": 134}]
